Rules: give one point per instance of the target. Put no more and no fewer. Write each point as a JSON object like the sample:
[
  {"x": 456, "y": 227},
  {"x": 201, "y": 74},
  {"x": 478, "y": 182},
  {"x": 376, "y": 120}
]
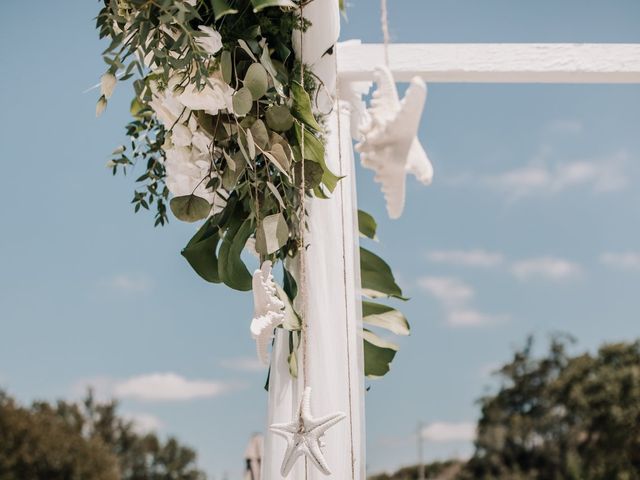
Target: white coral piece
[
  {"x": 268, "y": 310},
  {"x": 389, "y": 145}
]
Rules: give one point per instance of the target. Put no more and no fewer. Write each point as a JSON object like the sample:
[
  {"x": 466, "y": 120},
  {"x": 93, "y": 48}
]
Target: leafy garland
[{"x": 223, "y": 125}]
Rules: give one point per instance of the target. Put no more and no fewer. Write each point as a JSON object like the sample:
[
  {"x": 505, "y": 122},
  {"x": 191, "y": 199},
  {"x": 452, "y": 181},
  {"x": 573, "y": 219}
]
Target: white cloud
[
  {"x": 154, "y": 387},
  {"x": 549, "y": 268},
  {"x": 168, "y": 386},
  {"x": 244, "y": 364},
  {"x": 455, "y": 296},
  {"x": 472, "y": 318},
  {"x": 621, "y": 261},
  {"x": 542, "y": 177},
  {"x": 144, "y": 422},
  {"x": 443, "y": 432},
  {"x": 466, "y": 258},
  {"x": 449, "y": 290},
  {"x": 129, "y": 283}
]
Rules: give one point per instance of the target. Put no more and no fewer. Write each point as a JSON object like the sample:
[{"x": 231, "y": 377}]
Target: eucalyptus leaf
[
  {"x": 245, "y": 47},
  {"x": 378, "y": 354},
  {"x": 256, "y": 80},
  {"x": 385, "y": 317},
  {"x": 279, "y": 118},
  {"x": 367, "y": 225},
  {"x": 260, "y": 134},
  {"x": 226, "y": 66},
  {"x": 190, "y": 208},
  {"x": 272, "y": 234},
  {"x": 242, "y": 102},
  {"x": 278, "y": 157},
  {"x": 251, "y": 144}
]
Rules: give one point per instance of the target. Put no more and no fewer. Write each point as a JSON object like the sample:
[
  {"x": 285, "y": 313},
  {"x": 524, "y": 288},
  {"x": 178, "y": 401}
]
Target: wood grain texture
[{"x": 495, "y": 63}]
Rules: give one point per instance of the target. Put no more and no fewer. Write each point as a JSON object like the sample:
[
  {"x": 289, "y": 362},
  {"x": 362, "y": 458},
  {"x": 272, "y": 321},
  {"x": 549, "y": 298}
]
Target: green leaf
[
  {"x": 231, "y": 269},
  {"x": 289, "y": 283},
  {"x": 221, "y": 8},
  {"x": 377, "y": 277},
  {"x": 312, "y": 173},
  {"x": 291, "y": 320},
  {"x": 190, "y": 208},
  {"x": 260, "y": 134},
  {"x": 279, "y": 118},
  {"x": 226, "y": 66},
  {"x": 378, "y": 354},
  {"x": 302, "y": 106},
  {"x": 256, "y": 80},
  {"x": 278, "y": 157},
  {"x": 367, "y": 225},
  {"x": 200, "y": 252},
  {"x": 272, "y": 234},
  {"x": 262, "y": 4},
  {"x": 242, "y": 102},
  {"x": 385, "y": 317},
  {"x": 314, "y": 150}
]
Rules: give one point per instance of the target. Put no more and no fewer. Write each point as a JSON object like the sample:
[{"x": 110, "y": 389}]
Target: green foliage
[
  {"x": 89, "y": 441},
  {"x": 562, "y": 417},
  {"x": 258, "y": 150},
  {"x": 378, "y": 282}
]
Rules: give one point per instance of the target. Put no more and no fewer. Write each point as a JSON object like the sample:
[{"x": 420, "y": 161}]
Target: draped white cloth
[{"x": 332, "y": 289}]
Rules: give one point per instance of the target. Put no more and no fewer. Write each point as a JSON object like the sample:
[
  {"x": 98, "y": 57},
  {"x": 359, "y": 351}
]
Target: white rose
[
  {"x": 211, "y": 42},
  {"x": 211, "y": 99},
  {"x": 181, "y": 135}
]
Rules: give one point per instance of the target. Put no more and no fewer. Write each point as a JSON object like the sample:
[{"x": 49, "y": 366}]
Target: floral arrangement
[{"x": 224, "y": 127}]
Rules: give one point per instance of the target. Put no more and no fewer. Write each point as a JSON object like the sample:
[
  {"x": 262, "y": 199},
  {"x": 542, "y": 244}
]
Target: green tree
[
  {"x": 87, "y": 441},
  {"x": 562, "y": 417}
]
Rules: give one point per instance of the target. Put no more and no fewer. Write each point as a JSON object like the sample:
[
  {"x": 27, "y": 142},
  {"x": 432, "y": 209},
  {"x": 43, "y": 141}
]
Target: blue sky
[{"x": 532, "y": 226}]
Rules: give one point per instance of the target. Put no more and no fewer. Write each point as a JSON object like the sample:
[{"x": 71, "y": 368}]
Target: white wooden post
[{"x": 332, "y": 290}]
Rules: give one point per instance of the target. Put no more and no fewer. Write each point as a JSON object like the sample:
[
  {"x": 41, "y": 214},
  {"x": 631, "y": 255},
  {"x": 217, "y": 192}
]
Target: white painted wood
[{"x": 495, "y": 63}]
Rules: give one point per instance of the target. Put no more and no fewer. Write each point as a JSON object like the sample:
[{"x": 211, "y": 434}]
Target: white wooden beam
[{"x": 495, "y": 63}]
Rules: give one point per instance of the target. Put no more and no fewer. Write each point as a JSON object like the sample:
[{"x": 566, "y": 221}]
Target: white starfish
[
  {"x": 389, "y": 145},
  {"x": 268, "y": 310},
  {"x": 304, "y": 436}
]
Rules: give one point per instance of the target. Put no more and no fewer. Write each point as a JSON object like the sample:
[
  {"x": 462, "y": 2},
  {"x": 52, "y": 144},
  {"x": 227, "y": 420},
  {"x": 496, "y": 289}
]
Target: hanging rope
[
  {"x": 302, "y": 252},
  {"x": 384, "y": 22}
]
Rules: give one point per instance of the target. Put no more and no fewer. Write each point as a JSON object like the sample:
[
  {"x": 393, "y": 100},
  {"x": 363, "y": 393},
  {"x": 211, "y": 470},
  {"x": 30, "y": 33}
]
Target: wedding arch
[{"x": 244, "y": 119}]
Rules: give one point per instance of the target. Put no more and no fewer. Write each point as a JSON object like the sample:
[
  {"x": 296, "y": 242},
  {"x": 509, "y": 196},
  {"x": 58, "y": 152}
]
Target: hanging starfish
[
  {"x": 389, "y": 145},
  {"x": 268, "y": 310},
  {"x": 304, "y": 435}
]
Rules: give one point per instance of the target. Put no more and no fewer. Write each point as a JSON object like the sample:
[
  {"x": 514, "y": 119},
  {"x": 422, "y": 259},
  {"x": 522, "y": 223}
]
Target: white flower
[
  {"x": 211, "y": 42},
  {"x": 107, "y": 84},
  {"x": 181, "y": 135},
  {"x": 188, "y": 172},
  {"x": 166, "y": 106},
  {"x": 211, "y": 99},
  {"x": 268, "y": 309}
]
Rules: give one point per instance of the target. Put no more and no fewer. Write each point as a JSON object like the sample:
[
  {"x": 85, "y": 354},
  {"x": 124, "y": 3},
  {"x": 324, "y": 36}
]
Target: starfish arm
[
  {"x": 290, "y": 456},
  {"x": 318, "y": 426},
  {"x": 314, "y": 453}
]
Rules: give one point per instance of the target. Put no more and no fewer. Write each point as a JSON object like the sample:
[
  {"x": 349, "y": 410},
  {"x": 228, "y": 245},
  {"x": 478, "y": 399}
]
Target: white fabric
[
  {"x": 334, "y": 316},
  {"x": 336, "y": 371}
]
